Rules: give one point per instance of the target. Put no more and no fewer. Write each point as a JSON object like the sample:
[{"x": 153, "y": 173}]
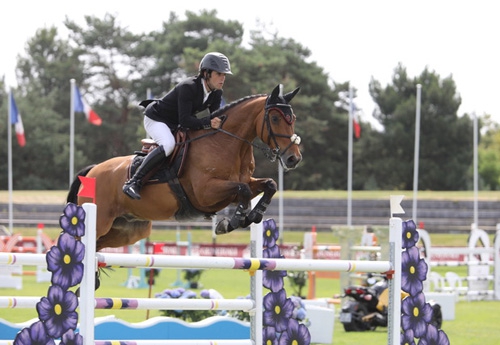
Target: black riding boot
[{"x": 133, "y": 186}]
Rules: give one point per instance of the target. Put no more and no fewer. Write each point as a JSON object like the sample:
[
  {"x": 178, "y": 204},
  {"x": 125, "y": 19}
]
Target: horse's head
[{"x": 278, "y": 128}]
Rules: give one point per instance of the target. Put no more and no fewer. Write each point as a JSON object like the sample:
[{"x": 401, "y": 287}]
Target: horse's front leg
[
  {"x": 238, "y": 220},
  {"x": 269, "y": 187}
]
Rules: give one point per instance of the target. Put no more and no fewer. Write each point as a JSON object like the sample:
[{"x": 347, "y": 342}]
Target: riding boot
[{"x": 133, "y": 186}]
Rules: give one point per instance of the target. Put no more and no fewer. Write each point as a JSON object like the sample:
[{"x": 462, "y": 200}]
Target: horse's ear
[
  {"x": 278, "y": 91},
  {"x": 288, "y": 97}
]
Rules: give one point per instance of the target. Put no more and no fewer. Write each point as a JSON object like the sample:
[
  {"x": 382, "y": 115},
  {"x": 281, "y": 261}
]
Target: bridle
[{"x": 285, "y": 110}]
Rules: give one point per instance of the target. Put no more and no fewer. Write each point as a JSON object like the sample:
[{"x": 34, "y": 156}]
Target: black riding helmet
[{"x": 215, "y": 62}]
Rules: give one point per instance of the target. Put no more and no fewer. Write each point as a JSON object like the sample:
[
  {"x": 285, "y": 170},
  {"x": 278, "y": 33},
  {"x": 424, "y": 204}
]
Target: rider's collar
[{"x": 206, "y": 91}]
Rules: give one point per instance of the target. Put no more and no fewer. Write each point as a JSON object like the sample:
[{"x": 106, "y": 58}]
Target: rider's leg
[
  {"x": 162, "y": 135},
  {"x": 133, "y": 186}
]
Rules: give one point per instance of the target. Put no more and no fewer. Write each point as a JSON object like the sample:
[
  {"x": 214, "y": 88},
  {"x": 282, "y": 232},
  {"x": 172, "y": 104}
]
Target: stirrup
[{"x": 130, "y": 190}]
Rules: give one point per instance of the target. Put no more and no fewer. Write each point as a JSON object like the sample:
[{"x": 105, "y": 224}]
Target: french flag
[
  {"x": 355, "y": 121},
  {"x": 83, "y": 107},
  {"x": 16, "y": 120}
]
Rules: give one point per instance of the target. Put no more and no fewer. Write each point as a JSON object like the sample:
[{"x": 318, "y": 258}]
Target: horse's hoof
[{"x": 223, "y": 227}]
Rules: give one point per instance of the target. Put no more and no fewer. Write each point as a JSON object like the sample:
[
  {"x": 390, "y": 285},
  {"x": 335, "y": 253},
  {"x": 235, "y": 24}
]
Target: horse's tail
[{"x": 75, "y": 185}]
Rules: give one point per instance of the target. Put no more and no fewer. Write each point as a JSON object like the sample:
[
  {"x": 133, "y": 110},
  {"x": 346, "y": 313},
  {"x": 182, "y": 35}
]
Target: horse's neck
[{"x": 244, "y": 122}]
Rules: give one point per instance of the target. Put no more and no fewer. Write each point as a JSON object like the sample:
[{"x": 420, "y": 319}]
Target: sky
[{"x": 352, "y": 40}]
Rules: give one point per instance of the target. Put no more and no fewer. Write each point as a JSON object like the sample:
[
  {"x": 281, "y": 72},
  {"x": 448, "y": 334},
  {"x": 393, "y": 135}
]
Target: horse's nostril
[{"x": 292, "y": 161}]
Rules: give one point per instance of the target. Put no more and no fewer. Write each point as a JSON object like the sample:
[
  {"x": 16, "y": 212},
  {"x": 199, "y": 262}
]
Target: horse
[{"x": 217, "y": 171}]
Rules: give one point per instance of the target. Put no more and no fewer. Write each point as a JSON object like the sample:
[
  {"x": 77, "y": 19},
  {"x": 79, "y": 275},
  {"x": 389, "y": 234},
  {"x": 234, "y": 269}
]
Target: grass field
[{"x": 475, "y": 322}]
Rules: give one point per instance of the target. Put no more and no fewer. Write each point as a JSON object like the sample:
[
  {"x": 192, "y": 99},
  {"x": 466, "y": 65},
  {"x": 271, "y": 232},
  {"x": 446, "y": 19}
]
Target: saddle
[
  {"x": 171, "y": 167},
  {"x": 169, "y": 172}
]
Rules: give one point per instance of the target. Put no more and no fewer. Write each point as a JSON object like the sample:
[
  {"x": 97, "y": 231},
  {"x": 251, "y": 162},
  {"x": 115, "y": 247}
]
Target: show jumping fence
[
  {"x": 255, "y": 265},
  {"x": 482, "y": 262}
]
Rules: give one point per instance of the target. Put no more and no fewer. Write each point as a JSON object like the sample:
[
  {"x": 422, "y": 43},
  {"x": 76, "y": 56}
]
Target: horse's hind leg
[{"x": 124, "y": 232}]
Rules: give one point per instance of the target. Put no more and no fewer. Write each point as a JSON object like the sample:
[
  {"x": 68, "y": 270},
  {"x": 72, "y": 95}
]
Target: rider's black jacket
[{"x": 178, "y": 108}]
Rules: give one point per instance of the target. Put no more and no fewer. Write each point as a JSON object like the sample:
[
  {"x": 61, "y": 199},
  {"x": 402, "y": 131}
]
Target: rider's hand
[{"x": 215, "y": 122}]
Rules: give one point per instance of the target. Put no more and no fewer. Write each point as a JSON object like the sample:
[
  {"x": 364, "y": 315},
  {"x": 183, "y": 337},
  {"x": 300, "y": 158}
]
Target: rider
[{"x": 178, "y": 108}]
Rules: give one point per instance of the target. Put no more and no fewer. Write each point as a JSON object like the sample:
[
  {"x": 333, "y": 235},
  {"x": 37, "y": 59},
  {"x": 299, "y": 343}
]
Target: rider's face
[{"x": 216, "y": 80}]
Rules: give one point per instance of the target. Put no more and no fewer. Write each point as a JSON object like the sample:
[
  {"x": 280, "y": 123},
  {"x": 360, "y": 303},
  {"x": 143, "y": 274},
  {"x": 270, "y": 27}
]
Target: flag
[
  {"x": 16, "y": 120},
  {"x": 355, "y": 121},
  {"x": 88, "y": 187},
  {"x": 82, "y": 107}
]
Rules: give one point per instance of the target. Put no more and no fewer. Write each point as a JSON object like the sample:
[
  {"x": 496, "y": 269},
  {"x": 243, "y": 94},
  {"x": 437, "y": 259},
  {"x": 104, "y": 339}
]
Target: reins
[{"x": 271, "y": 154}]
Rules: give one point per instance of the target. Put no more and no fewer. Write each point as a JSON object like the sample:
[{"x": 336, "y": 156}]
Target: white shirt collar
[{"x": 206, "y": 92}]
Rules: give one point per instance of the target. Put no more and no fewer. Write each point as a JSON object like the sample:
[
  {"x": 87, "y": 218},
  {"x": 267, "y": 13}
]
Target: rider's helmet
[{"x": 215, "y": 62}]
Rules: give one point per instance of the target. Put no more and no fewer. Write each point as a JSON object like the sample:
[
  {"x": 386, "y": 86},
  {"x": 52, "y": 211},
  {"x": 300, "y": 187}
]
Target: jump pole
[
  {"x": 175, "y": 261},
  {"x": 87, "y": 292},
  {"x": 256, "y": 294}
]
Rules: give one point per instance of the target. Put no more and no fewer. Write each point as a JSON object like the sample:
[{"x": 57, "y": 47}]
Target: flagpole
[
  {"x": 349, "y": 161},
  {"x": 416, "y": 153},
  {"x": 9, "y": 149},
  {"x": 475, "y": 158},
  {"x": 72, "y": 132}
]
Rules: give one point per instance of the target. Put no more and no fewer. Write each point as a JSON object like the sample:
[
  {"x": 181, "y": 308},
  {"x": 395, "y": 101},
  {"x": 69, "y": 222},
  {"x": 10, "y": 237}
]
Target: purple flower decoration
[
  {"x": 65, "y": 261},
  {"x": 295, "y": 334},
  {"x": 269, "y": 336},
  {"x": 33, "y": 335},
  {"x": 277, "y": 310},
  {"x": 433, "y": 336},
  {"x": 71, "y": 338},
  {"x": 407, "y": 338},
  {"x": 273, "y": 280},
  {"x": 272, "y": 253},
  {"x": 72, "y": 220},
  {"x": 271, "y": 233},
  {"x": 410, "y": 234},
  {"x": 416, "y": 314},
  {"x": 413, "y": 271},
  {"x": 57, "y": 311}
]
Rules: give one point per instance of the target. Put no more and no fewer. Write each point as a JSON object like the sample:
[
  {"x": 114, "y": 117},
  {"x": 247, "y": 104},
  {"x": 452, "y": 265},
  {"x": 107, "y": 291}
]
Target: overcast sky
[{"x": 353, "y": 40}]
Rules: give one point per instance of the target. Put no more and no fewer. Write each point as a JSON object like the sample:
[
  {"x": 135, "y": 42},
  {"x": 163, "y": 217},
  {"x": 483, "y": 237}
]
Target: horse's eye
[{"x": 275, "y": 119}]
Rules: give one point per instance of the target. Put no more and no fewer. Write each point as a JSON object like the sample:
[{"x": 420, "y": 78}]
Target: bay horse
[{"x": 217, "y": 171}]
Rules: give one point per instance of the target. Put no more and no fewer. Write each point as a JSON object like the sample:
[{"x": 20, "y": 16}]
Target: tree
[
  {"x": 445, "y": 141},
  {"x": 489, "y": 155},
  {"x": 114, "y": 68}
]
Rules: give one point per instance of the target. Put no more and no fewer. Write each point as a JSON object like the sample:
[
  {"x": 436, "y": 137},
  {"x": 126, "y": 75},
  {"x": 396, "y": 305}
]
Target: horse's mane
[{"x": 222, "y": 110}]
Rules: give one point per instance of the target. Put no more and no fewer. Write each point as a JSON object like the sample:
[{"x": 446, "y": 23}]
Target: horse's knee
[
  {"x": 244, "y": 193},
  {"x": 271, "y": 186}
]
